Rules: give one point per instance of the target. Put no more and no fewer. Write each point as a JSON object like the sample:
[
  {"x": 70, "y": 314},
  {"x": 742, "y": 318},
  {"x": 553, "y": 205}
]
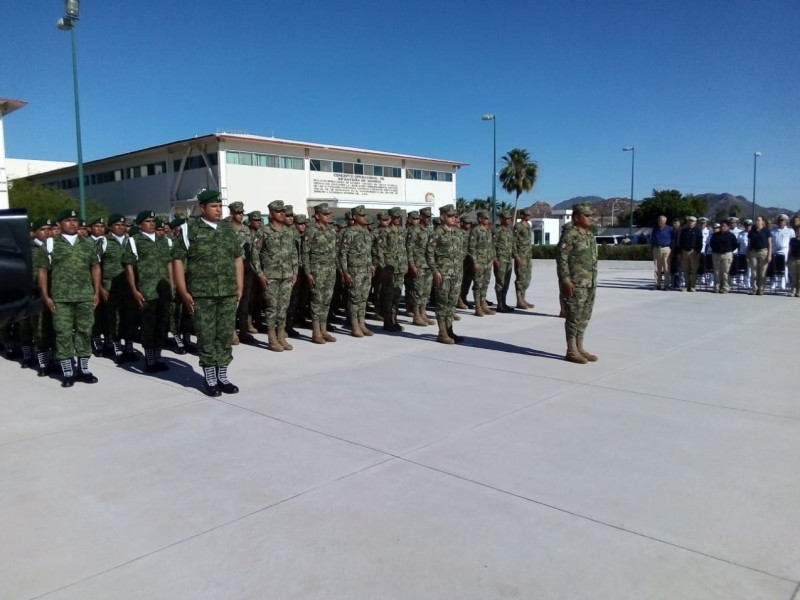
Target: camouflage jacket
[
  {"x": 444, "y": 253},
  {"x": 245, "y": 237},
  {"x": 274, "y": 252},
  {"x": 416, "y": 246},
  {"x": 209, "y": 255},
  {"x": 463, "y": 240},
  {"x": 576, "y": 258},
  {"x": 481, "y": 245},
  {"x": 355, "y": 251},
  {"x": 523, "y": 240},
  {"x": 110, "y": 252},
  {"x": 70, "y": 268},
  {"x": 504, "y": 243},
  {"x": 392, "y": 248},
  {"x": 319, "y": 249},
  {"x": 150, "y": 260},
  {"x": 375, "y": 234}
]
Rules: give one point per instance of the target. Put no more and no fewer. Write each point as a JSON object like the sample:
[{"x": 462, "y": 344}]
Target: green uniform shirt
[
  {"x": 274, "y": 252},
  {"x": 209, "y": 255},
  {"x": 150, "y": 260},
  {"x": 504, "y": 243},
  {"x": 481, "y": 245},
  {"x": 523, "y": 240},
  {"x": 444, "y": 253},
  {"x": 416, "y": 246},
  {"x": 392, "y": 248},
  {"x": 319, "y": 249},
  {"x": 355, "y": 251},
  {"x": 70, "y": 268},
  {"x": 110, "y": 251}
]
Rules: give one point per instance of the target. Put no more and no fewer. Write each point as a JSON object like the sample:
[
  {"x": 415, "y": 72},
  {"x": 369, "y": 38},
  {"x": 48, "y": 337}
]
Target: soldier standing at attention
[
  {"x": 210, "y": 287},
  {"x": 576, "y": 265},
  {"x": 504, "y": 253},
  {"x": 254, "y": 297},
  {"x": 355, "y": 264},
  {"x": 319, "y": 265},
  {"x": 422, "y": 277},
  {"x": 39, "y": 327},
  {"x": 275, "y": 261},
  {"x": 393, "y": 265},
  {"x": 300, "y": 292},
  {"x": 481, "y": 250},
  {"x": 236, "y": 219},
  {"x": 180, "y": 323},
  {"x": 445, "y": 258},
  {"x": 465, "y": 278},
  {"x": 522, "y": 258},
  {"x": 148, "y": 269},
  {"x": 412, "y": 223},
  {"x": 71, "y": 293}
]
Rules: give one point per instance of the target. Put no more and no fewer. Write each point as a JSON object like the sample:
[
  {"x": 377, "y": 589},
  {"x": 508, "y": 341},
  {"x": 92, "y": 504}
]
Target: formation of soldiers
[{"x": 222, "y": 279}]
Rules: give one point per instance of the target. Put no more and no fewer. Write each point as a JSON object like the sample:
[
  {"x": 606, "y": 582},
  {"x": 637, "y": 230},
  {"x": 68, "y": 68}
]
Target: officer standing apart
[
  {"x": 576, "y": 264},
  {"x": 523, "y": 243},
  {"x": 355, "y": 265},
  {"x": 481, "y": 251},
  {"x": 319, "y": 266},
  {"x": 445, "y": 259},
  {"x": 210, "y": 287},
  {"x": 504, "y": 253},
  {"x": 722, "y": 244},
  {"x": 71, "y": 294}
]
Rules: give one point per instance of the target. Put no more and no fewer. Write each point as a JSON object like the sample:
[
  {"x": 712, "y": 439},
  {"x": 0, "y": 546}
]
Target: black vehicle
[{"x": 19, "y": 296}]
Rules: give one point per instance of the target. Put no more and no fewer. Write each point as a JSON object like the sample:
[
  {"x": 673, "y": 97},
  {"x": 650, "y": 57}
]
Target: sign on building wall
[{"x": 355, "y": 186}]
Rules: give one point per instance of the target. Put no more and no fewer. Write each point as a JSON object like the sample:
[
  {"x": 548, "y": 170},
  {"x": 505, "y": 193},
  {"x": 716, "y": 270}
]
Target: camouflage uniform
[
  {"x": 523, "y": 243},
  {"x": 319, "y": 262},
  {"x": 377, "y": 282},
  {"x": 245, "y": 237},
  {"x": 445, "y": 257},
  {"x": 392, "y": 261},
  {"x": 416, "y": 246},
  {"x": 355, "y": 259},
  {"x": 37, "y": 328},
  {"x": 116, "y": 315},
  {"x": 275, "y": 257},
  {"x": 481, "y": 251},
  {"x": 464, "y": 273},
  {"x": 504, "y": 253}
]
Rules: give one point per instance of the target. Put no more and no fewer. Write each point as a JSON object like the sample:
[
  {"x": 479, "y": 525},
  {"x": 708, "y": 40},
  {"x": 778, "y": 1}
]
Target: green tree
[
  {"x": 671, "y": 203},
  {"x": 41, "y": 201},
  {"x": 501, "y": 206},
  {"x": 519, "y": 174},
  {"x": 481, "y": 204},
  {"x": 462, "y": 205}
]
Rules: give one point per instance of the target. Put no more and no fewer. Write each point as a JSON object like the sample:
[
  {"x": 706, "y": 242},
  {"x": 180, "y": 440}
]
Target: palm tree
[
  {"x": 462, "y": 205},
  {"x": 501, "y": 206},
  {"x": 519, "y": 175}
]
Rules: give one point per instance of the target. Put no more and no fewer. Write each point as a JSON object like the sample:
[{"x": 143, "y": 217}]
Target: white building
[
  {"x": 20, "y": 168},
  {"x": 257, "y": 170},
  {"x": 546, "y": 231},
  {"x": 7, "y": 106}
]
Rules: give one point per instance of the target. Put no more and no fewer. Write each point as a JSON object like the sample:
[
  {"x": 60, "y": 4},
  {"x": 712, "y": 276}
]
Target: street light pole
[
  {"x": 632, "y": 150},
  {"x": 493, "y": 119},
  {"x": 755, "y": 162},
  {"x": 68, "y": 24}
]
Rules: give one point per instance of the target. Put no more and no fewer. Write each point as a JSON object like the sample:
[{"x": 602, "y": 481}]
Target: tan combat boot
[
  {"x": 362, "y": 324},
  {"x": 418, "y": 319},
  {"x": 250, "y": 327},
  {"x": 486, "y": 309},
  {"x": 283, "y": 341},
  {"x": 325, "y": 335},
  {"x": 587, "y": 355},
  {"x": 572, "y": 353},
  {"x": 316, "y": 334},
  {"x": 456, "y": 338},
  {"x": 272, "y": 340},
  {"x": 235, "y": 339},
  {"x": 479, "y": 309},
  {"x": 355, "y": 325},
  {"x": 444, "y": 336},
  {"x": 528, "y": 304},
  {"x": 461, "y": 304},
  {"x": 423, "y": 313},
  {"x": 521, "y": 301}
]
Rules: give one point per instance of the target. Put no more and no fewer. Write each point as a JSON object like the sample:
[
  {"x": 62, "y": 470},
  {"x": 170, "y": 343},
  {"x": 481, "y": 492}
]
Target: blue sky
[{"x": 696, "y": 86}]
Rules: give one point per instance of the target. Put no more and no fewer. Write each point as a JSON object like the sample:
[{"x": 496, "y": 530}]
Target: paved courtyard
[{"x": 401, "y": 469}]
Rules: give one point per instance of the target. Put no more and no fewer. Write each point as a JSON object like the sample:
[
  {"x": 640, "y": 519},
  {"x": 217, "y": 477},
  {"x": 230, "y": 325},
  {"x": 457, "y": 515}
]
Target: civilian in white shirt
[{"x": 781, "y": 234}]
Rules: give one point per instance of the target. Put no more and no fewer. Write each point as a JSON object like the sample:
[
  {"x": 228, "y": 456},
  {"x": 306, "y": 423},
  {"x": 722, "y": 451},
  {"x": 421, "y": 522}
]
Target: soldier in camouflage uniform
[
  {"x": 504, "y": 253},
  {"x": 377, "y": 283},
  {"x": 357, "y": 269},
  {"x": 576, "y": 265},
  {"x": 444, "y": 256},
  {"x": 38, "y": 328},
  {"x": 422, "y": 277},
  {"x": 523, "y": 243},
  {"x": 392, "y": 262},
  {"x": 319, "y": 265},
  {"x": 298, "y": 302},
  {"x": 255, "y": 300},
  {"x": 71, "y": 293},
  {"x": 412, "y": 223},
  {"x": 275, "y": 261},
  {"x": 148, "y": 269},
  {"x": 210, "y": 287},
  {"x": 242, "y": 231},
  {"x": 465, "y": 279},
  {"x": 481, "y": 251}
]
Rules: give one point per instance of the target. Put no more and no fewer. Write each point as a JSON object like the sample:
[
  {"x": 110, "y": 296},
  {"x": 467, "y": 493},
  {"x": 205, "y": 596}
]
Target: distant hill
[{"x": 578, "y": 200}]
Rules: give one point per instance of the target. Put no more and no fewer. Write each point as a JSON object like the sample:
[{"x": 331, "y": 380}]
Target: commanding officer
[
  {"x": 481, "y": 251},
  {"x": 236, "y": 219},
  {"x": 147, "y": 259},
  {"x": 115, "y": 299},
  {"x": 210, "y": 287},
  {"x": 422, "y": 277},
  {"x": 504, "y": 253},
  {"x": 522, "y": 257},
  {"x": 445, "y": 258},
  {"x": 690, "y": 243},
  {"x": 71, "y": 296},
  {"x": 319, "y": 266},
  {"x": 661, "y": 241},
  {"x": 275, "y": 261},
  {"x": 576, "y": 264},
  {"x": 355, "y": 264},
  {"x": 393, "y": 264}
]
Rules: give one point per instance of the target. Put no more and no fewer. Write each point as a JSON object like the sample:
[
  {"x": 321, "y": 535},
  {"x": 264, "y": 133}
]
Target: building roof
[{"x": 8, "y": 105}]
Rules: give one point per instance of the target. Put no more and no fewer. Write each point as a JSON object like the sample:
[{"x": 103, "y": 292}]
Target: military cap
[
  {"x": 82, "y": 223},
  {"x": 276, "y": 206},
  {"x": 716, "y": 225},
  {"x": 145, "y": 214},
  {"x": 466, "y": 219},
  {"x": 525, "y": 212},
  {"x": 301, "y": 220},
  {"x": 322, "y": 208},
  {"x": 116, "y": 218},
  {"x": 159, "y": 222},
  {"x": 41, "y": 222},
  {"x": 237, "y": 207},
  {"x": 97, "y": 221},
  {"x": 691, "y": 218},
  {"x": 748, "y": 221},
  {"x": 703, "y": 219},
  {"x": 359, "y": 211},
  {"x": 425, "y": 212},
  {"x": 288, "y": 210},
  {"x": 584, "y": 208},
  {"x": 507, "y": 214},
  {"x": 382, "y": 216},
  {"x": 177, "y": 222},
  {"x": 207, "y": 196},
  {"x": 67, "y": 213},
  {"x": 395, "y": 211},
  {"x": 783, "y": 217},
  {"x": 482, "y": 214},
  {"x": 254, "y": 215},
  {"x": 349, "y": 216},
  {"x": 414, "y": 214},
  {"x": 436, "y": 221},
  {"x": 448, "y": 210}
]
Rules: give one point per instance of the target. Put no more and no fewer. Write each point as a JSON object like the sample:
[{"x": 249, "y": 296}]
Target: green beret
[
  {"x": 414, "y": 214},
  {"x": 448, "y": 210},
  {"x": 208, "y": 196},
  {"x": 236, "y": 207},
  {"x": 359, "y": 211},
  {"x": 41, "y": 222},
  {"x": 67, "y": 213},
  {"x": 177, "y": 222},
  {"x": 159, "y": 222},
  {"x": 288, "y": 210},
  {"x": 425, "y": 212},
  {"x": 301, "y": 220},
  {"x": 322, "y": 208},
  {"x": 276, "y": 206},
  {"x": 396, "y": 211},
  {"x": 115, "y": 218},
  {"x": 584, "y": 208},
  {"x": 254, "y": 215},
  {"x": 97, "y": 221},
  {"x": 145, "y": 214},
  {"x": 82, "y": 223}
]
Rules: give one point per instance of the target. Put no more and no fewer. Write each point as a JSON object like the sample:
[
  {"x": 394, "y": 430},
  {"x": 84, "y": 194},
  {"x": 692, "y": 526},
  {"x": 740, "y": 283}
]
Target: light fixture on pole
[
  {"x": 633, "y": 157},
  {"x": 755, "y": 162},
  {"x": 72, "y": 10},
  {"x": 493, "y": 119}
]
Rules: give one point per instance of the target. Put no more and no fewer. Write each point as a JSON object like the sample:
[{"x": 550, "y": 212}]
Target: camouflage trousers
[
  {"x": 321, "y": 293},
  {"x": 465, "y": 278},
  {"x": 180, "y": 321},
  {"x": 578, "y": 311},
  {"x": 276, "y": 298},
  {"x": 480, "y": 282},
  {"x": 42, "y": 330},
  {"x": 502, "y": 279},
  {"x": 422, "y": 288},
  {"x": 214, "y": 319},
  {"x": 447, "y": 296},
  {"x": 155, "y": 321},
  {"x": 523, "y": 273},
  {"x": 391, "y": 289},
  {"x": 115, "y": 318},
  {"x": 72, "y": 322},
  {"x": 243, "y": 311},
  {"x": 358, "y": 292}
]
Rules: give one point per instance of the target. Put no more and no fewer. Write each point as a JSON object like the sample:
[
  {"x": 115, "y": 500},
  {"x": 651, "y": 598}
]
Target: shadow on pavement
[{"x": 497, "y": 346}]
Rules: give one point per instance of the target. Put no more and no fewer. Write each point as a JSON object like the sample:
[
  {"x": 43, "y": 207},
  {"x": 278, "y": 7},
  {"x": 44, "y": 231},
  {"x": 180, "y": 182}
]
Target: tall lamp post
[
  {"x": 72, "y": 8},
  {"x": 633, "y": 157},
  {"x": 493, "y": 119},
  {"x": 755, "y": 162}
]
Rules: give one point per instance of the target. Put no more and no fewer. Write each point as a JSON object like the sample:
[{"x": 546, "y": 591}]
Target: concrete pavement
[{"x": 398, "y": 468}]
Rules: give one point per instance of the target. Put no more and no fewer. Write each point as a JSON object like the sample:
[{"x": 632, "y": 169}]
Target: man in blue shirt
[{"x": 661, "y": 240}]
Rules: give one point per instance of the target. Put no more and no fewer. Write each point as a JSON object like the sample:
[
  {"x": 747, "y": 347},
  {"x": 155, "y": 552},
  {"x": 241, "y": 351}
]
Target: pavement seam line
[{"x": 796, "y": 595}]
